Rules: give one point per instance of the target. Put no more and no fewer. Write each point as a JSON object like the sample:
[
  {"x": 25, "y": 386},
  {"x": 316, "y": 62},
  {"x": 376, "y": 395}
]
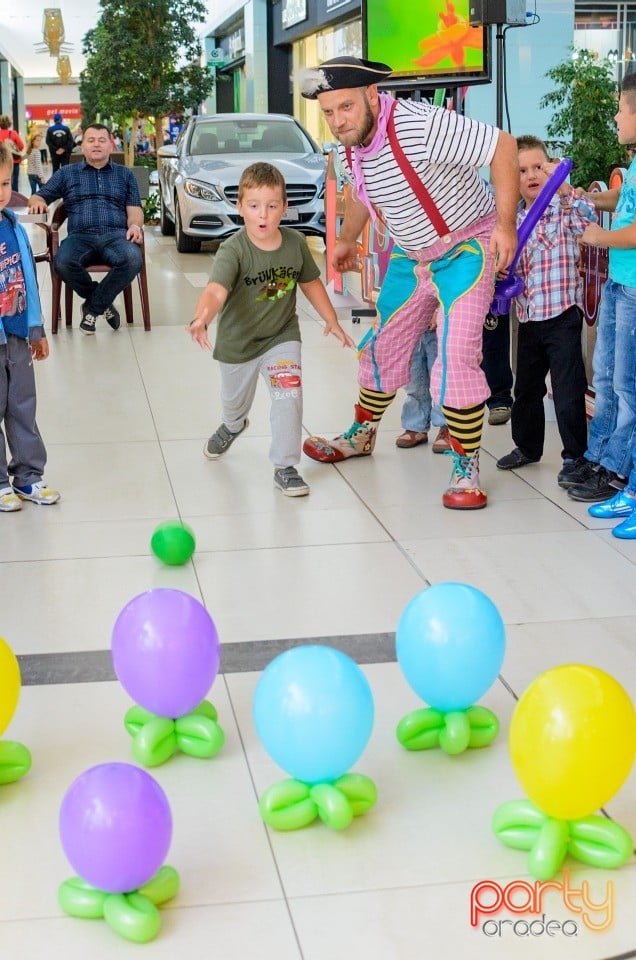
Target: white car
[{"x": 199, "y": 175}]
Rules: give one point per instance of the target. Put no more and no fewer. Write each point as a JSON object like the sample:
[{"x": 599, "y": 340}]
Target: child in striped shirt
[
  {"x": 550, "y": 320},
  {"x": 35, "y": 170}
]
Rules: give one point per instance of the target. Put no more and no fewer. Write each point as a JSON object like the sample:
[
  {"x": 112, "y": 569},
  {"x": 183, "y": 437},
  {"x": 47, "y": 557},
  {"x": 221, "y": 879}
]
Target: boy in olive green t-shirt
[{"x": 252, "y": 289}]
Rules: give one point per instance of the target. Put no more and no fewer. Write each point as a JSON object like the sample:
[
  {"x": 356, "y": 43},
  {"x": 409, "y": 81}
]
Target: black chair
[{"x": 59, "y": 216}]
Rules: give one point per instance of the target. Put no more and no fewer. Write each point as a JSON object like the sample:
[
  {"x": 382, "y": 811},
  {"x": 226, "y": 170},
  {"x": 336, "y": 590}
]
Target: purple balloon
[
  {"x": 511, "y": 286},
  {"x": 115, "y": 827},
  {"x": 166, "y": 651}
]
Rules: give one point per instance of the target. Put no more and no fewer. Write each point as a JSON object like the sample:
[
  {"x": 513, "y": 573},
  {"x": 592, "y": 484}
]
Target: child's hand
[
  {"x": 198, "y": 330},
  {"x": 549, "y": 166},
  {"x": 339, "y": 333},
  {"x": 40, "y": 349},
  {"x": 594, "y": 235}
]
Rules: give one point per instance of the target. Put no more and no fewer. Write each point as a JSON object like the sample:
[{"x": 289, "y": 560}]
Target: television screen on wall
[{"x": 427, "y": 42}]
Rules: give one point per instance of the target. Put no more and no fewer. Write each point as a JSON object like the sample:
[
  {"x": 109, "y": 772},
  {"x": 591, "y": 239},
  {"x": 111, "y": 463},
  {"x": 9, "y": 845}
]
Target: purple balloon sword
[{"x": 511, "y": 286}]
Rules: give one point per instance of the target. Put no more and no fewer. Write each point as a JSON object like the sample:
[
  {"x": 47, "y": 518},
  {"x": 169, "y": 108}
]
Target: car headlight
[
  {"x": 201, "y": 191},
  {"x": 321, "y": 191}
]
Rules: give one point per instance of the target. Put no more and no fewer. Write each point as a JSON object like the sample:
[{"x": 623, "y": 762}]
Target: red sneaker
[
  {"x": 357, "y": 441},
  {"x": 464, "y": 492}
]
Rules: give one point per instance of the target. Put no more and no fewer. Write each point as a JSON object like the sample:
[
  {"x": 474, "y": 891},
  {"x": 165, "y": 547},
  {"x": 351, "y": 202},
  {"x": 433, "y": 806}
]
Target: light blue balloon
[
  {"x": 450, "y": 643},
  {"x": 313, "y": 711}
]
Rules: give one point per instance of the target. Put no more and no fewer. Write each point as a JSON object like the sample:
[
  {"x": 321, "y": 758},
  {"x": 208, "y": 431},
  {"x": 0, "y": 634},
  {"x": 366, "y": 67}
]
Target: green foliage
[
  {"x": 143, "y": 58},
  {"x": 151, "y": 207},
  {"x": 583, "y": 105}
]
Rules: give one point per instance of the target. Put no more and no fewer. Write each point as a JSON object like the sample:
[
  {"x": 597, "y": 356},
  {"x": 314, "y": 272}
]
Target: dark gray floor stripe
[{"x": 95, "y": 665}]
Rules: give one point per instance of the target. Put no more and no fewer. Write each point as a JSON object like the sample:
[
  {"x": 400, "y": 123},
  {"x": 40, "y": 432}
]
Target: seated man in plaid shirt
[
  {"x": 550, "y": 320},
  {"x": 105, "y": 225}
]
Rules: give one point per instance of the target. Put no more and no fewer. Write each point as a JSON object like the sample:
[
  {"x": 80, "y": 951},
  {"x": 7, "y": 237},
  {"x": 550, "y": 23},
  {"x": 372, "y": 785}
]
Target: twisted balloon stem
[
  {"x": 453, "y": 731},
  {"x": 293, "y": 804},
  {"x": 133, "y": 915},
  {"x": 593, "y": 839},
  {"x": 155, "y": 738}
]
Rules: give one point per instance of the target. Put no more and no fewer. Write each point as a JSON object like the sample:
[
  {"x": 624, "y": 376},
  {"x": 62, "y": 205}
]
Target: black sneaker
[
  {"x": 515, "y": 459},
  {"x": 112, "y": 318},
  {"x": 290, "y": 483},
  {"x": 88, "y": 320},
  {"x": 575, "y": 472},
  {"x": 596, "y": 488},
  {"x": 619, "y": 483},
  {"x": 221, "y": 440}
]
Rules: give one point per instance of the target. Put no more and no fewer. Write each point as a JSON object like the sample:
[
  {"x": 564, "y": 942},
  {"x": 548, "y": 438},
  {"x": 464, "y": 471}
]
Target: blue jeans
[
  {"x": 612, "y": 432},
  {"x": 35, "y": 183},
  {"x": 418, "y": 409},
  {"x": 15, "y": 178},
  {"x": 82, "y": 249}
]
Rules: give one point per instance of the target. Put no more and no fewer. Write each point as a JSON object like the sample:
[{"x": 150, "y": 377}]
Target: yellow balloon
[
  {"x": 9, "y": 684},
  {"x": 573, "y": 740}
]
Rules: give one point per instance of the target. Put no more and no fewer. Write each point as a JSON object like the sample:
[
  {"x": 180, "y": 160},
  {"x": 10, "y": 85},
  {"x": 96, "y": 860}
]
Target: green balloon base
[
  {"x": 292, "y": 804},
  {"x": 15, "y": 761},
  {"x": 155, "y": 739},
  {"x": 454, "y": 732},
  {"x": 132, "y": 915},
  {"x": 594, "y": 840}
]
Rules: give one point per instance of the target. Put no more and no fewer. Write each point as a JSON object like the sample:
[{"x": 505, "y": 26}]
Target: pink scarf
[{"x": 358, "y": 154}]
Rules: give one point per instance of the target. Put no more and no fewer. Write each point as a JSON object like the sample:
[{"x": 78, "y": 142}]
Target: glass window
[
  {"x": 345, "y": 39},
  {"x": 608, "y": 30}
]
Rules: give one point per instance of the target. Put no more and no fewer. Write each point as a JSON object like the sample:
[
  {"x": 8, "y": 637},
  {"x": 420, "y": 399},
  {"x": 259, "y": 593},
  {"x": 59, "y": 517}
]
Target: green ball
[{"x": 173, "y": 542}]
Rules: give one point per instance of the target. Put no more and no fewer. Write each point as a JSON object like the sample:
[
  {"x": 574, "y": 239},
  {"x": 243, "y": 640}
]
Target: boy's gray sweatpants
[
  {"x": 281, "y": 370},
  {"x": 17, "y": 415}
]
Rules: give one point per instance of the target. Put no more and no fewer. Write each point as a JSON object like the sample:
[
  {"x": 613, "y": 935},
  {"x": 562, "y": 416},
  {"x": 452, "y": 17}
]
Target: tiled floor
[{"x": 124, "y": 416}]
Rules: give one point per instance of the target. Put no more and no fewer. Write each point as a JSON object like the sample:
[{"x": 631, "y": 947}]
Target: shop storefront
[
  {"x": 308, "y": 32},
  {"x": 607, "y": 29}
]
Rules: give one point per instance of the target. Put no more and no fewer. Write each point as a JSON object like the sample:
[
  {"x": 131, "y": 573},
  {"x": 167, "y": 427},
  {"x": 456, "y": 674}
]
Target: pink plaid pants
[{"x": 453, "y": 278}]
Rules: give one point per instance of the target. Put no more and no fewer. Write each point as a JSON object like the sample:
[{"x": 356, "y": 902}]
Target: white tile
[
  {"x": 433, "y": 921},
  {"x": 197, "y": 279},
  {"x": 306, "y": 591},
  {"x": 424, "y": 798},
  {"x": 550, "y": 576},
  {"x": 78, "y": 601},
  {"x": 236, "y": 930},
  {"x": 216, "y": 829}
]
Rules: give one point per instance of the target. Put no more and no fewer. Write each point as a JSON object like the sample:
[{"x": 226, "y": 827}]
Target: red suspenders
[{"x": 416, "y": 185}]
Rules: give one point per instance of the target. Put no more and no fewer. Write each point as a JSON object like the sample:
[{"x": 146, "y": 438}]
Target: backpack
[{"x": 16, "y": 153}]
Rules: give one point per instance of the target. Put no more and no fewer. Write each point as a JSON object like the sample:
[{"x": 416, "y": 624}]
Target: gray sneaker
[
  {"x": 290, "y": 483},
  {"x": 221, "y": 440}
]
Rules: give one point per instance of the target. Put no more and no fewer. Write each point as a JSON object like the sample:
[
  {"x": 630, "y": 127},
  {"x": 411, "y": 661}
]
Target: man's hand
[
  {"x": 198, "y": 330},
  {"x": 503, "y": 244},
  {"x": 37, "y": 204},
  {"x": 40, "y": 349},
  {"x": 135, "y": 233},
  {"x": 345, "y": 256}
]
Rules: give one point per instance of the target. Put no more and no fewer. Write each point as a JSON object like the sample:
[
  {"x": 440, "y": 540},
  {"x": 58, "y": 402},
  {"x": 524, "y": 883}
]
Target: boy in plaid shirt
[{"x": 550, "y": 320}]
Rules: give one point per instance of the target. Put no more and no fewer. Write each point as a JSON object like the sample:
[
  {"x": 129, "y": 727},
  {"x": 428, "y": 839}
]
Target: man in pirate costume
[{"x": 415, "y": 167}]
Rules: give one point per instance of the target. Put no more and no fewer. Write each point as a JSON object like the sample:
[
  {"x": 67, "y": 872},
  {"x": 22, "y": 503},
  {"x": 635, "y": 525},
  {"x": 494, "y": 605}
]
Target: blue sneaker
[
  {"x": 627, "y": 529},
  {"x": 621, "y": 505},
  {"x": 37, "y": 492}
]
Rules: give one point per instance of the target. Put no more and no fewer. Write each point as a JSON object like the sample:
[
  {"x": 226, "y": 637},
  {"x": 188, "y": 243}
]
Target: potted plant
[{"x": 583, "y": 105}]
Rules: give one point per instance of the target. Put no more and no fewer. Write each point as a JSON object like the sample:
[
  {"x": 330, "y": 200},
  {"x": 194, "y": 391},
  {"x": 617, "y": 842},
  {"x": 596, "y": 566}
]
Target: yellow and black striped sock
[
  {"x": 375, "y": 403},
  {"x": 466, "y": 425}
]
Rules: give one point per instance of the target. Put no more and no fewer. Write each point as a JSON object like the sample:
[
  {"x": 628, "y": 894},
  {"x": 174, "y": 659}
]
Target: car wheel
[
  {"x": 166, "y": 225},
  {"x": 185, "y": 244}
]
